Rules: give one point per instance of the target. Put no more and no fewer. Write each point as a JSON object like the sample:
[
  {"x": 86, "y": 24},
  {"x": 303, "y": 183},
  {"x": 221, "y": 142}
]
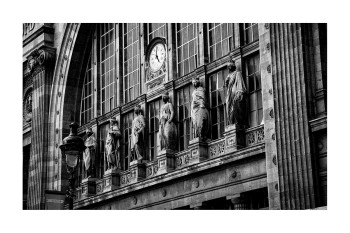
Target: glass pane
[
  {"x": 255, "y": 32},
  {"x": 211, "y": 37},
  {"x": 251, "y": 83},
  {"x": 259, "y": 99},
  {"x": 185, "y": 51},
  {"x": 253, "y": 119},
  {"x": 248, "y": 35},
  {"x": 179, "y": 54},
  {"x": 260, "y": 116},
  {"x": 252, "y": 101},
  {"x": 181, "y": 127},
  {"x": 190, "y": 32},
  {"x": 187, "y": 127},
  {"x": 185, "y": 36},
  {"x": 212, "y": 54},
  {"x": 258, "y": 81},
  {"x": 186, "y": 66},
  {"x": 181, "y": 112},
  {"x": 225, "y": 47},
  {"x": 222, "y": 129},
  {"x": 221, "y": 97},
  {"x": 218, "y": 50},
  {"x": 257, "y": 62},
  {"x": 217, "y": 34},
  {"x": 191, "y": 48},
  {"x": 214, "y": 118},
  {"x": 221, "y": 78},
  {"x": 213, "y": 99},
  {"x": 187, "y": 110},
  {"x": 213, "y": 82}
]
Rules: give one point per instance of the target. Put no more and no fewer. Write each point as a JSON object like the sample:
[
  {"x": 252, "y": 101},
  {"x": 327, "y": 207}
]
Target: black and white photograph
[
  {"x": 175, "y": 116},
  {"x": 170, "y": 106}
]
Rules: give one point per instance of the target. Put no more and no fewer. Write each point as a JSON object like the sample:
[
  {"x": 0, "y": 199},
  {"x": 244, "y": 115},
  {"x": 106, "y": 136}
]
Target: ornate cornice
[
  {"x": 184, "y": 80},
  {"x": 200, "y": 71}
]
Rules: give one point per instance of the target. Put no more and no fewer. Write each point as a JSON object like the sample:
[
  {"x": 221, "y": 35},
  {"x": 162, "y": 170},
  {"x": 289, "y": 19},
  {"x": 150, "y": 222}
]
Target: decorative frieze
[
  {"x": 183, "y": 159},
  {"x": 152, "y": 169},
  {"x": 217, "y": 148},
  {"x": 255, "y": 135}
]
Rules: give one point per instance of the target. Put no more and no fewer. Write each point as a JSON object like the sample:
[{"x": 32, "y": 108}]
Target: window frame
[
  {"x": 131, "y": 92},
  {"x": 231, "y": 43},
  {"x": 220, "y": 131},
  {"x": 182, "y": 47}
]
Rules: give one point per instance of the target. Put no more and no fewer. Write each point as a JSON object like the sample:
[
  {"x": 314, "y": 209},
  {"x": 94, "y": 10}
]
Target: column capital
[{"x": 40, "y": 58}]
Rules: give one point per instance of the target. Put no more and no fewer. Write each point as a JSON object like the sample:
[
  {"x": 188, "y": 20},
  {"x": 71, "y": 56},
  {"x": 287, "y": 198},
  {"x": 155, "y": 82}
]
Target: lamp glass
[{"x": 72, "y": 158}]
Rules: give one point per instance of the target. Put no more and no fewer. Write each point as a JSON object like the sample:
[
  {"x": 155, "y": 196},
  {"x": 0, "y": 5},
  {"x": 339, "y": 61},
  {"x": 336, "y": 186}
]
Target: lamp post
[{"x": 72, "y": 149}]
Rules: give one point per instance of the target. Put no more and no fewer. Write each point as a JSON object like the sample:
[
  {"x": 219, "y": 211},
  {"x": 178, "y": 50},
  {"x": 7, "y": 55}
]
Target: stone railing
[
  {"x": 198, "y": 151},
  {"x": 152, "y": 169},
  {"x": 216, "y": 148},
  {"x": 183, "y": 159},
  {"x": 254, "y": 135}
]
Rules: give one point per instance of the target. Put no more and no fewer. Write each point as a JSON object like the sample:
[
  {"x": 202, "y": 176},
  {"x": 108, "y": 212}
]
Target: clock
[{"x": 157, "y": 56}]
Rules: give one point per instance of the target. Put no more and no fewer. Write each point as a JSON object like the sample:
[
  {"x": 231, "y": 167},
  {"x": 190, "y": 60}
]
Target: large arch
[{"x": 65, "y": 96}]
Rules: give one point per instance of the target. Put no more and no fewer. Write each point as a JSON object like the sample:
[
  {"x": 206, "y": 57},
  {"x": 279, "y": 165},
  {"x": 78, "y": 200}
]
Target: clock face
[{"x": 157, "y": 57}]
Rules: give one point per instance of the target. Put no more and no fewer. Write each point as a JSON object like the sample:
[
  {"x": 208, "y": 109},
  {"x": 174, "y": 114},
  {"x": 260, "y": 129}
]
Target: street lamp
[{"x": 72, "y": 149}]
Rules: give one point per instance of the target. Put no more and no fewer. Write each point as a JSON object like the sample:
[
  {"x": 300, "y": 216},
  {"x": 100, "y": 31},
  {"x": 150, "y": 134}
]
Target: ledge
[
  {"x": 195, "y": 168},
  {"x": 318, "y": 124}
]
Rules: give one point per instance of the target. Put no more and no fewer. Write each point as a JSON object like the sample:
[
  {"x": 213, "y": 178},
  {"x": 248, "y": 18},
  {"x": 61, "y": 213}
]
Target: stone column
[
  {"x": 40, "y": 67},
  {"x": 292, "y": 155}
]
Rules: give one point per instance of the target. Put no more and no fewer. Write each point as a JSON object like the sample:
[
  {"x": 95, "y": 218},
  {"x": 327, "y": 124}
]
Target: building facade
[{"x": 92, "y": 73}]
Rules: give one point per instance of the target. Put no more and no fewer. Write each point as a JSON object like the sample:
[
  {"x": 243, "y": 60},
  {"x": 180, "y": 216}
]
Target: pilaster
[
  {"x": 166, "y": 161},
  {"x": 268, "y": 95},
  {"x": 287, "y": 70},
  {"x": 234, "y": 138},
  {"x": 40, "y": 68}
]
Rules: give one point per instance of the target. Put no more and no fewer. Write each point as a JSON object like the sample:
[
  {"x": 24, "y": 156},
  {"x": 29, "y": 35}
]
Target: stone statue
[
  {"x": 199, "y": 113},
  {"x": 167, "y": 128},
  {"x": 137, "y": 145},
  {"x": 89, "y": 153},
  {"x": 112, "y": 155},
  {"x": 235, "y": 96}
]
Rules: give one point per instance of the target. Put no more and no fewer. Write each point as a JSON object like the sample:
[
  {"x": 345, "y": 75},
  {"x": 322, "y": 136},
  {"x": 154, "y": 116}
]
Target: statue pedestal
[
  {"x": 111, "y": 180},
  {"x": 198, "y": 150},
  {"x": 137, "y": 171},
  {"x": 166, "y": 161},
  {"x": 88, "y": 187},
  {"x": 234, "y": 138}
]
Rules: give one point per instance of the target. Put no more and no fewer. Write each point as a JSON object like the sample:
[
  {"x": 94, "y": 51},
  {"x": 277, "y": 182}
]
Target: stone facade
[{"x": 278, "y": 160}]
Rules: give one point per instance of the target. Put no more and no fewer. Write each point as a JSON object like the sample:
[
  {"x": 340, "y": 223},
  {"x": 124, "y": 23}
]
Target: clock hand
[{"x": 157, "y": 53}]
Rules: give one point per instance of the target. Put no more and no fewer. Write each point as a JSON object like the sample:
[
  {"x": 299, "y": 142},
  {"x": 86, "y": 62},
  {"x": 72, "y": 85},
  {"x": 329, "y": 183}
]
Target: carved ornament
[
  {"x": 27, "y": 105},
  {"x": 39, "y": 59}
]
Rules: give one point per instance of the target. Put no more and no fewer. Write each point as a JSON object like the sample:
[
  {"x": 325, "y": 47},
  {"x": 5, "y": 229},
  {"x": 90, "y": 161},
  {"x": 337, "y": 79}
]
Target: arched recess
[{"x": 66, "y": 94}]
